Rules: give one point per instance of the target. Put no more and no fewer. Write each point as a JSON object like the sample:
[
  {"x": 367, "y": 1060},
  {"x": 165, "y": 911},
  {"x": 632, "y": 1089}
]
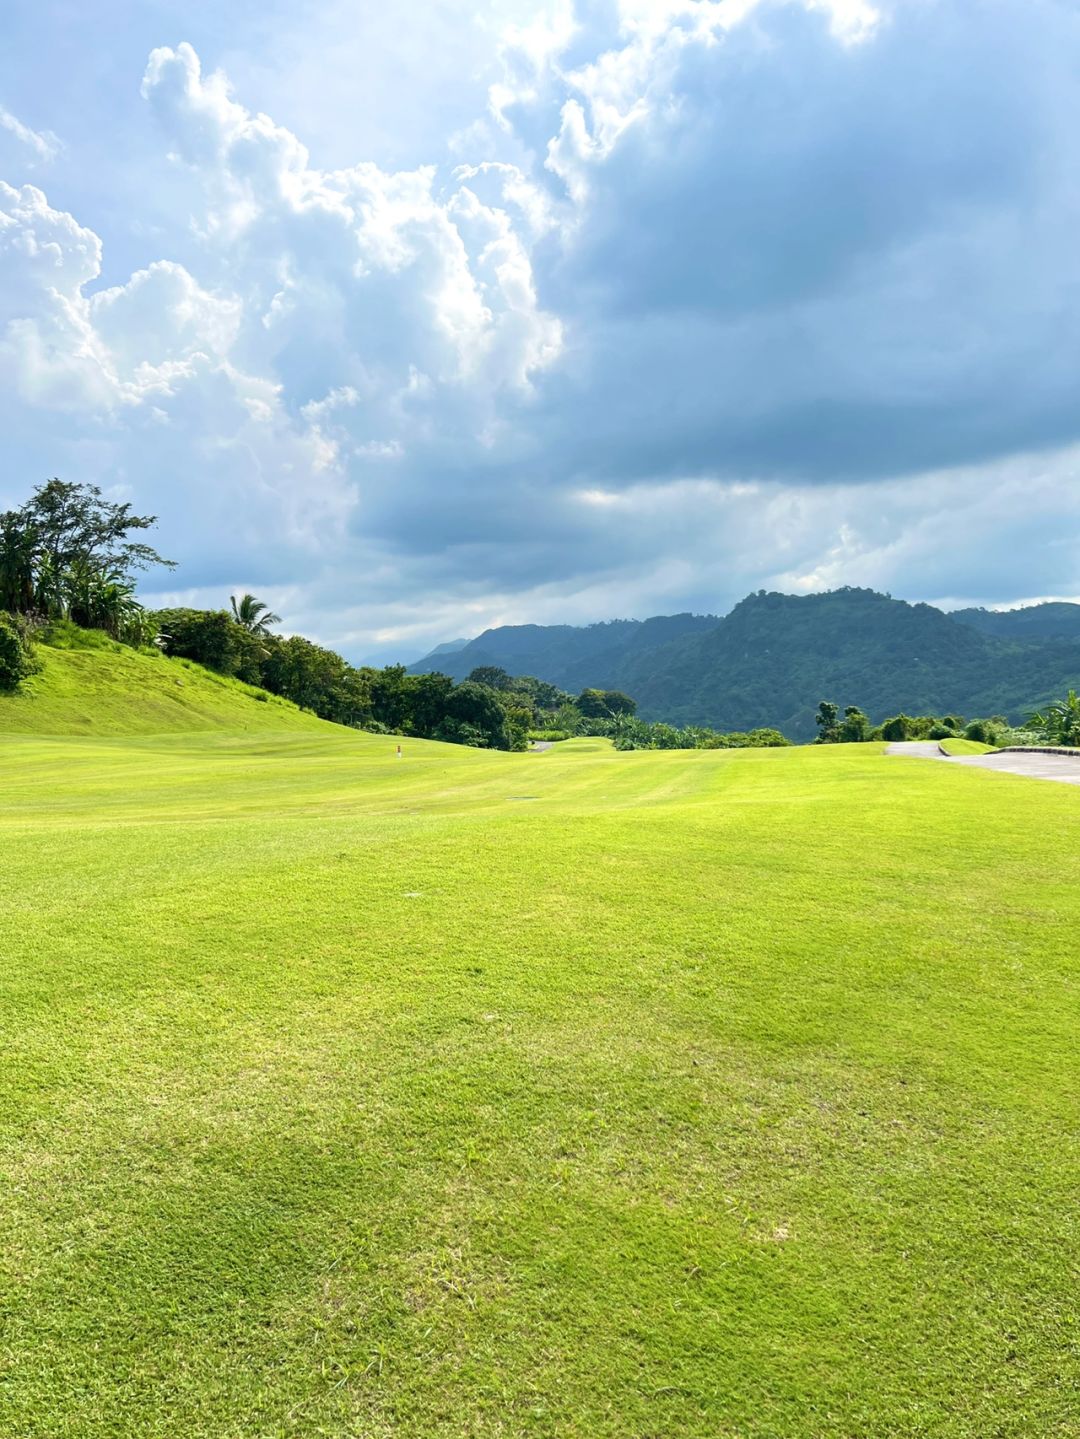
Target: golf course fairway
[{"x": 690, "y": 1093}]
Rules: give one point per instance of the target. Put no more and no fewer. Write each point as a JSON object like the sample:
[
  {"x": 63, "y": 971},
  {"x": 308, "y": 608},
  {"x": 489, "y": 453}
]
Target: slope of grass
[
  {"x": 966, "y": 746},
  {"x": 577, "y": 1094},
  {"x": 106, "y": 688}
]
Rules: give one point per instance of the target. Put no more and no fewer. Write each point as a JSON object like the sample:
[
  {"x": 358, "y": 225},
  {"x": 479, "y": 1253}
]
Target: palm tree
[{"x": 255, "y": 617}]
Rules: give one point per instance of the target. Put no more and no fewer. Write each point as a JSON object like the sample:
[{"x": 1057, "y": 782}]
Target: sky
[{"x": 418, "y": 319}]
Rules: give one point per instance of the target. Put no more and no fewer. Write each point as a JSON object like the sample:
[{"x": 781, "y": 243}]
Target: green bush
[
  {"x": 897, "y": 729},
  {"x": 211, "y": 638},
  {"x": 455, "y": 731},
  {"x": 16, "y": 659},
  {"x": 979, "y": 731},
  {"x": 767, "y": 739}
]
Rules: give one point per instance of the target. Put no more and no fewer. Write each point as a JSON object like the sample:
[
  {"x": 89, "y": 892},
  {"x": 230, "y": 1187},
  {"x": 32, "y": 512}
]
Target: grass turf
[
  {"x": 99, "y": 687},
  {"x": 966, "y": 746},
  {"x": 577, "y": 1094}
]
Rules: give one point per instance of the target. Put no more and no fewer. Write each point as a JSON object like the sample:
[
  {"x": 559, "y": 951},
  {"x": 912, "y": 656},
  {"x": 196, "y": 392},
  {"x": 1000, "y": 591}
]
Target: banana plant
[{"x": 1060, "y": 724}]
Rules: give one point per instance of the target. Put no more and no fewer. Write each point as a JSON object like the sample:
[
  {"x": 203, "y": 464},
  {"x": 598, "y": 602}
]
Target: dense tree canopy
[
  {"x": 493, "y": 677},
  {"x": 604, "y": 704},
  {"x": 68, "y": 553},
  {"x": 16, "y": 661},
  {"x": 427, "y": 706}
]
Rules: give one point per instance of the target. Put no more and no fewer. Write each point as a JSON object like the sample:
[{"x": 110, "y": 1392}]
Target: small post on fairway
[{"x": 399, "y": 752}]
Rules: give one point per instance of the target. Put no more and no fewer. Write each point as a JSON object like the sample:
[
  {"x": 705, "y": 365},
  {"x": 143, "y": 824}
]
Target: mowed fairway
[{"x": 677, "y": 1094}]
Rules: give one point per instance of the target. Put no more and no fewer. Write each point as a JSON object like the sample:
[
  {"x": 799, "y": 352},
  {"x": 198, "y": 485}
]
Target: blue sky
[{"x": 418, "y": 319}]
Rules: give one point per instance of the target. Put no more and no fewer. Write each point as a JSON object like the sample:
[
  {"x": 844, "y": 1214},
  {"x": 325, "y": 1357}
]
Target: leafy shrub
[
  {"x": 979, "y": 731},
  {"x": 454, "y": 731},
  {"x": 211, "y": 638},
  {"x": 16, "y": 659},
  {"x": 897, "y": 729},
  {"x": 767, "y": 739},
  {"x": 636, "y": 734},
  {"x": 941, "y": 731}
]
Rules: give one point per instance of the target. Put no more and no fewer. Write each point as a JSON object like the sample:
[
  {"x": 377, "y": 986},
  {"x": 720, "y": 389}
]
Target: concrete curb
[
  {"x": 1038, "y": 749},
  {"x": 1016, "y": 749}
]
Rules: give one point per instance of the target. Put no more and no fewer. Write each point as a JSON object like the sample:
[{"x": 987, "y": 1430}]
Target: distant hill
[
  {"x": 449, "y": 648},
  {"x": 104, "y": 688},
  {"x": 775, "y": 656},
  {"x": 1055, "y": 620},
  {"x": 570, "y": 656}
]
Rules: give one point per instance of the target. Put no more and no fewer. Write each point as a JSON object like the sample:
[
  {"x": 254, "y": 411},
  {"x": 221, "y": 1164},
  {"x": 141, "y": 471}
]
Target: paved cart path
[{"x": 1065, "y": 768}]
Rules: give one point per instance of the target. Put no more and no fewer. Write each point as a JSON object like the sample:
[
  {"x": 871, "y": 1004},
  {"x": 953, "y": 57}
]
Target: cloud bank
[{"x": 707, "y": 296}]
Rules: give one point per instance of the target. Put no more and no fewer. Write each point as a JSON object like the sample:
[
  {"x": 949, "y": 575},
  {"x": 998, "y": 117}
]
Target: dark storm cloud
[{"x": 717, "y": 299}]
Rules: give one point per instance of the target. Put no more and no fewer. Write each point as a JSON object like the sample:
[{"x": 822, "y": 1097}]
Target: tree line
[
  {"x": 71, "y": 556},
  {"x": 489, "y": 709},
  {"x": 1058, "y": 724}
]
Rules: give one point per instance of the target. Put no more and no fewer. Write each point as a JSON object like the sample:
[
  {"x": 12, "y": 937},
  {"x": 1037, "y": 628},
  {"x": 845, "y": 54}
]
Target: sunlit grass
[
  {"x": 95, "y": 686},
  {"x": 654, "y": 1094},
  {"x": 966, "y": 746}
]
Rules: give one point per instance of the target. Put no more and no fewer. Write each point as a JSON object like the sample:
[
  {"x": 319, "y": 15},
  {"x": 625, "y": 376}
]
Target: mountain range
[{"x": 775, "y": 656}]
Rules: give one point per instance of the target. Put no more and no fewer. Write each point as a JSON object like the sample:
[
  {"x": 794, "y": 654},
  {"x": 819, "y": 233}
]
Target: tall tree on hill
[
  {"x": 827, "y": 720},
  {"x": 856, "y": 726},
  {"x": 74, "y": 524},
  {"x": 253, "y": 615},
  {"x": 68, "y": 552}
]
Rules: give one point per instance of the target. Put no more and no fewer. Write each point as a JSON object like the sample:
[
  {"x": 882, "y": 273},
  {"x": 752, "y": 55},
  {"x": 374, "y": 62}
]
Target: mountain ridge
[{"x": 771, "y": 659}]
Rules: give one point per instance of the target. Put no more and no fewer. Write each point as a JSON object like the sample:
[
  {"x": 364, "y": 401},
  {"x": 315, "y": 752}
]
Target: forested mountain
[
  {"x": 570, "y": 656},
  {"x": 774, "y": 656},
  {"x": 1051, "y": 621},
  {"x": 449, "y": 648}
]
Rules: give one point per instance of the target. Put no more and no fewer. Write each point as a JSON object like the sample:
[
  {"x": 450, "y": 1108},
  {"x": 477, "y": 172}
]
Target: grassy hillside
[
  {"x": 965, "y": 746},
  {"x": 103, "y": 688},
  {"x": 574, "y": 1094}
]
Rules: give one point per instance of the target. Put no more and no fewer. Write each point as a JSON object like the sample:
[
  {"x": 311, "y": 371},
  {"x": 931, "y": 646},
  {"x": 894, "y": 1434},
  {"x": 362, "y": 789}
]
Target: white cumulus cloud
[{"x": 711, "y": 294}]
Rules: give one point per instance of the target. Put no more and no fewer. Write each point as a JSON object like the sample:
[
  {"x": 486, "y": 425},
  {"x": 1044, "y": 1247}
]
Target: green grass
[
  {"x": 106, "y": 688},
  {"x": 966, "y": 746},
  {"x": 713, "y": 1094}
]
